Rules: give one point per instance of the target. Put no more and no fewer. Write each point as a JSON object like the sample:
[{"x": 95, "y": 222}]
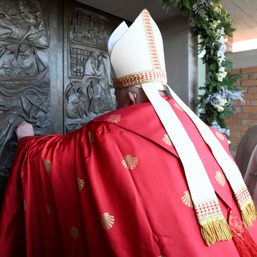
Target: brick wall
[{"x": 245, "y": 115}]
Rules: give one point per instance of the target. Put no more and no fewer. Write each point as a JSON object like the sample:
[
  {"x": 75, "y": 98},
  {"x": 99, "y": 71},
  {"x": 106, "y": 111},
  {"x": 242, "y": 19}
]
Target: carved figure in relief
[
  {"x": 77, "y": 101},
  {"x": 88, "y": 29},
  {"x": 91, "y": 95},
  {"x": 23, "y": 21},
  {"x": 24, "y": 95},
  {"x": 98, "y": 88},
  {"x": 19, "y": 61}
]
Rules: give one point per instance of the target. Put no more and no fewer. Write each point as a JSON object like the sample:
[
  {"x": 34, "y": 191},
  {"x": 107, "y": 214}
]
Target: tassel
[
  {"x": 249, "y": 214},
  {"x": 215, "y": 230},
  {"x": 245, "y": 245}
]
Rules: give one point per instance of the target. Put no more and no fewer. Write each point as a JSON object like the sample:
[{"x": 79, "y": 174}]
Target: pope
[{"x": 149, "y": 179}]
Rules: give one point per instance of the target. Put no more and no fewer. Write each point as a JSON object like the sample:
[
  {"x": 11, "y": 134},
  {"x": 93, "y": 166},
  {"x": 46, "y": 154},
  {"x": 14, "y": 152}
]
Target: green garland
[{"x": 211, "y": 23}]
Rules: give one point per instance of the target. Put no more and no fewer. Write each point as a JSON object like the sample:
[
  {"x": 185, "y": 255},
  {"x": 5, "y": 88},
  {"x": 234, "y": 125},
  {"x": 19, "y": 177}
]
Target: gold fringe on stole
[
  {"x": 215, "y": 230},
  {"x": 249, "y": 214}
]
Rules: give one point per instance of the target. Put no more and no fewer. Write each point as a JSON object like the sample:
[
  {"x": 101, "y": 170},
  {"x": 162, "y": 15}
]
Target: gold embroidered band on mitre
[
  {"x": 214, "y": 226},
  {"x": 247, "y": 207},
  {"x": 141, "y": 77}
]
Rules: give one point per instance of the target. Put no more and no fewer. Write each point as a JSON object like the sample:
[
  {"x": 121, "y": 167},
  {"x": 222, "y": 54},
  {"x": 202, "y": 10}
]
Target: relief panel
[
  {"x": 89, "y": 92},
  {"x": 58, "y": 83},
  {"x": 24, "y": 73}
]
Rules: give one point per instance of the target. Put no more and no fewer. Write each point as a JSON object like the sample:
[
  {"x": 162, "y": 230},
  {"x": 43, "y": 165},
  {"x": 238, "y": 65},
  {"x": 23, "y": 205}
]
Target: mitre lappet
[{"x": 137, "y": 59}]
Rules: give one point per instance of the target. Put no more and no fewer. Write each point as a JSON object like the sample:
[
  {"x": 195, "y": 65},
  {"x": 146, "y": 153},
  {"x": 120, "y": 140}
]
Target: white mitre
[
  {"x": 116, "y": 35},
  {"x": 139, "y": 51},
  {"x": 137, "y": 58}
]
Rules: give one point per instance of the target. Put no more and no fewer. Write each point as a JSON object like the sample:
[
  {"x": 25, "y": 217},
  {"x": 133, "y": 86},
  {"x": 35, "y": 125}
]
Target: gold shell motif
[
  {"x": 166, "y": 140},
  {"x": 74, "y": 232},
  {"x": 220, "y": 178},
  {"x": 47, "y": 165},
  {"x": 130, "y": 162},
  {"x": 107, "y": 221},
  {"x": 186, "y": 199},
  {"x": 81, "y": 183},
  {"x": 115, "y": 118}
]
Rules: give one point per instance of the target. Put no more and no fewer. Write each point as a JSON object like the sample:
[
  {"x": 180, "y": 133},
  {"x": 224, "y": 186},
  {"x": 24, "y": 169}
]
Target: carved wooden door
[{"x": 54, "y": 69}]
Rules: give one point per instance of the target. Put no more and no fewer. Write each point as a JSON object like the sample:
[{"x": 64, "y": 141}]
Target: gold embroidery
[
  {"x": 74, "y": 232},
  {"x": 178, "y": 107},
  {"x": 141, "y": 77},
  {"x": 235, "y": 223},
  {"x": 186, "y": 199},
  {"x": 107, "y": 221},
  {"x": 115, "y": 118},
  {"x": 151, "y": 40},
  {"x": 247, "y": 207},
  {"x": 219, "y": 135},
  {"x": 220, "y": 178},
  {"x": 81, "y": 183},
  {"x": 130, "y": 162},
  {"x": 249, "y": 214},
  {"x": 48, "y": 210},
  {"x": 156, "y": 73},
  {"x": 48, "y": 165},
  {"x": 90, "y": 137},
  {"x": 166, "y": 140}
]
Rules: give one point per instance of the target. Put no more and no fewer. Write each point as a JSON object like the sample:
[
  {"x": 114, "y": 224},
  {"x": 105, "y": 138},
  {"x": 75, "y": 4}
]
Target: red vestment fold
[{"x": 116, "y": 187}]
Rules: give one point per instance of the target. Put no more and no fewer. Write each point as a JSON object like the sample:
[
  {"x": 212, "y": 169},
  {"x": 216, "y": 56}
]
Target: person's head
[
  {"x": 137, "y": 59},
  {"x": 132, "y": 95},
  {"x": 129, "y": 95}
]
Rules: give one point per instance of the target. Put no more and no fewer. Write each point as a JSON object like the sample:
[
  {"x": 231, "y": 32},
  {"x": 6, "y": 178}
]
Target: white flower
[
  {"x": 223, "y": 101},
  {"x": 222, "y": 74},
  {"x": 218, "y": 108},
  {"x": 220, "y": 100},
  {"x": 219, "y": 77},
  {"x": 222, "y": 39},
  {"x": 222, "y": 71},
  {"x": 214, "y": 24},
  {"x": 221, "y": 57},
  {"x": 220, "y": 32},
  {"x": 221, "y": 53},
  {"x": 222, "y": 48}
]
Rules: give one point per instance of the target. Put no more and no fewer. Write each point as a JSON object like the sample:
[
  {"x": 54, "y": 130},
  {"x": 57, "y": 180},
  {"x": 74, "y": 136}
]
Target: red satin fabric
[{"x": 113, "y": 188}]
